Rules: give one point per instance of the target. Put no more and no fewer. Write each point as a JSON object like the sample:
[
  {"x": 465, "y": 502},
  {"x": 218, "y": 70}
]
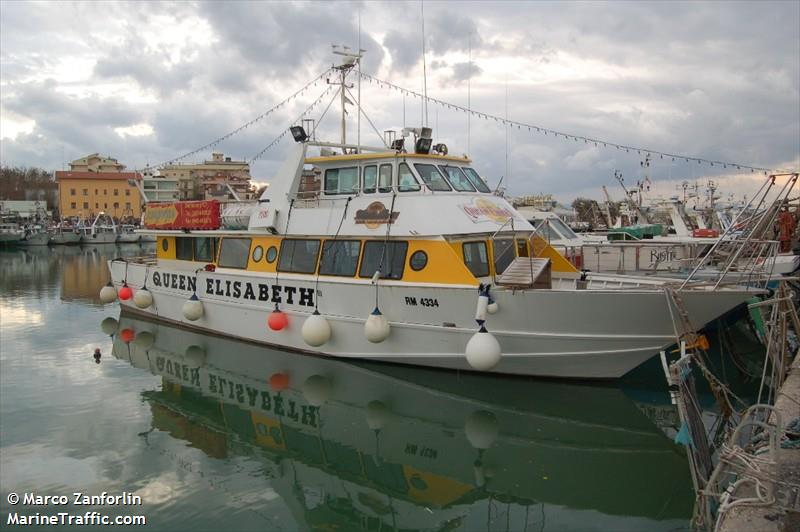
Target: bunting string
[{"x": 566, "y": 136}]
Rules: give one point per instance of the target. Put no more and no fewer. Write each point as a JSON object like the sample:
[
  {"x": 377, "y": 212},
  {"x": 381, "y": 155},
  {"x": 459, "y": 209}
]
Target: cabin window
[
  {"x": 418, "y": 260},
  {"x": 503, "y": 254},
  {"x": 205, "y": 249},
  {"x": 258, "y": 253},
  {"x": 406, "y": 182},
  {"x": 234, "y": 253},
  {"x": 341, "y": 180},
  {"x": 476, "y": 258},
  {"x": 340, "y": 257},
  {"x": 522, "y": 248},
  {"x": 272, "y": 254},
  {"x": 393, "y": 255},
  {"x": 458, "y": 179},
  {"x": 183, "y": 248},
  {"x": 476, "y": 180},
  {"x": 164, "y": 244},
  {"x": 370, "y": 179},
  {"x": 298, "y": 256},
  {"x": 385, "y": 178},
  {"x": 432, "y": 177}
]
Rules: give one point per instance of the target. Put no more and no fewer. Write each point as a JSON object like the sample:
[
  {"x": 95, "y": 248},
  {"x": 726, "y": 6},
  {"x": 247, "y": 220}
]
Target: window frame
[
  {"x": 246, "y": 255},
  {"x": 512, "y": 248},
  {"x": 364, "y": 188},
  {"x": 476, "y": 179},
  {"x": 402, "y": 188},
  {"x": 339, "y": 193},
  {"x": 214, "y": 248},
  {"x": 444, "y": 168},
  {"x": 428, "y": 184},
  {"x": 333, "y": 242},
  {"x": 381, "y": 188},
  {"x": 371, "y": 243},
  {"x": 180, "y": 242},
  {"x": 486, "y": 252},
  {"x": 278, "y": 266}
]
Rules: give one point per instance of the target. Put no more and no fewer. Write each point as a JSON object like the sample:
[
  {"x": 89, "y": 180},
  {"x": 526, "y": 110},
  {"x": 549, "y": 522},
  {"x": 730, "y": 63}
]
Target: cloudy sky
[{"x": 147, "y": 82}]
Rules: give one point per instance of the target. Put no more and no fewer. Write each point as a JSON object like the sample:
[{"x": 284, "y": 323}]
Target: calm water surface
[{"x": 217, "y": 434}]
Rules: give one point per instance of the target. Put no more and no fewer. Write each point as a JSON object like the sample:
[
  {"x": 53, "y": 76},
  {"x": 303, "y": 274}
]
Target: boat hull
[
  {"x": 592, "y": 334},
  {"x": 38, "y": 239},
  {"x": 99, "y": 238},
  {"x": 65, "y": 238},
  {"x": 127, "y": 238}
]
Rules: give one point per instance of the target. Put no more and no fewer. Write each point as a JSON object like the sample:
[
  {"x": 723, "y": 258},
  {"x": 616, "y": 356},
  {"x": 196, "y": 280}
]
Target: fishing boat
[
  {"x": 126, "y": 234},
  {"x": 64, "y": 234},
  {"x": 395, "y": 254},
  {"x": 10, "y": 233},
  {"x": 406, "y": 448},
  {"x": 34, "y": 235},
  {"x": 102, "y": 231}
]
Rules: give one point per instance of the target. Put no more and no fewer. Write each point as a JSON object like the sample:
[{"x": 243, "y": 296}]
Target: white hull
[
  {"x": 9, "y": 238},
  {"x": 99, "y": 238},
  {"x": 596, "y": 334},
  {"x": 65, "y": 238},
  {"x": 37, "y": 239}
]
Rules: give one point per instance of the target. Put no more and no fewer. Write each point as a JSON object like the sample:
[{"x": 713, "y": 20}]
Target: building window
[
  {"x": 128, "y": 205},
  {"x": 72, "y": 192},
  {"x": 73, "y": 205},
  {"x": 85, "y": 205},
  {"x": 85, "y": 191},
  {"x": 116, "y": 192},
  {"x": 234, "y": 252},
  {"x": 95, "y": 192},
  {"x": 96, "y": 205},
  {"x": 390, "y": 257},
  {"x": 116, "y": 205},
  {"x": 476, "y": 258},
  {"x": 105, "y": 192},
  {"x": 340, "y": 257},
  {"x": 127, "y": 192},
  {"x": 105, "y": 205},
  {"x": 299, "y": 256}
]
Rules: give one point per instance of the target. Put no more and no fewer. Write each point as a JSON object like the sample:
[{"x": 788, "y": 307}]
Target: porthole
[
  {"x": 164, "y": 244},
  {"x": 419, "y": 259},
  {"x": 258, "y": 252},
  {"x": 272, "y": 254}
]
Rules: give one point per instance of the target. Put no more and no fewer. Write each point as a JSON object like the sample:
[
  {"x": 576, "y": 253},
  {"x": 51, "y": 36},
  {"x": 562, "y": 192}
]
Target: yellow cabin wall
[
  {"x": 169, "y": 254},
  {"x": 558, "y": 263},
  {"x": 444, "y": 265},
  {"x": 265, "y": 243}
]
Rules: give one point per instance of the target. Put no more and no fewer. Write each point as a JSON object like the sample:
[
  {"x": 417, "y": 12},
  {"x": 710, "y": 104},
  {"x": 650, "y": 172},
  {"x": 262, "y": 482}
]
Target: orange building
[{"x": 86, "y": 194}]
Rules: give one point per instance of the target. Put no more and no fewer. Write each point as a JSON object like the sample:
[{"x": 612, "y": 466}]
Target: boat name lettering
[
  {"x": 291, "y": 295},
  {"x": 421, "y": 450},
  {"x": 243, "y": 394},
  {"x": 423, "y": 301}
]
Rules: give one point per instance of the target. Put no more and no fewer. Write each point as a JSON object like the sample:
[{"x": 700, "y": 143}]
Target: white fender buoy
[
  {"x": 483, "y": 304},
  {"x": 377, "y": 328},
  {"x": 195, "y": 356},
  {"x": 481, "y": 429},
  {"x": 316, "y": 330},
  {"x": 492, "y": 307},
  {"x": 317, "y": 390},
  {"x": 143, "y": 298},
  {"x": 145, "y": 339},
  {"x": 193, "y": 308},
  {"x": 378, "y": 415},
  {"x": 110, "y": 326},
  {"x": 483, "y": 350},
  {"x": 108, "y": 293}
]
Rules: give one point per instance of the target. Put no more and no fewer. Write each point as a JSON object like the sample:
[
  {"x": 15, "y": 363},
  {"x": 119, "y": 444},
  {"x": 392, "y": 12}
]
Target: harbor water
[{"x": 217, "y": 434}]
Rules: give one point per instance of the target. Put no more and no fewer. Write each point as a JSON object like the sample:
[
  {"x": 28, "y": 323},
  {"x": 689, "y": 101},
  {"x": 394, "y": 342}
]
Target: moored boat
[
  {"x": 63, "y": 234},
  {"x": 102, "y": 231},
  {"x": 388, "y": 260},
  {"x": 10, "y": 233},
  {"x": 35, "y": 235},
  {"x": 126, "y": 234}
]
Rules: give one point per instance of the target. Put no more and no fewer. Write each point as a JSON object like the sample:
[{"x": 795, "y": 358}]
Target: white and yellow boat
[{"x": 375, "y": 253}]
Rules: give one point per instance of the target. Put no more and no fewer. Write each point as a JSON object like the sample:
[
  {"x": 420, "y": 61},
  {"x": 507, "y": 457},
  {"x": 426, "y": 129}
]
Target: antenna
[
  {"x": 351, "y": 60},
  {"x": 424, "y": 67},
  {"x": 360, "y": 51},
  {"x": 469, "y": 88}
]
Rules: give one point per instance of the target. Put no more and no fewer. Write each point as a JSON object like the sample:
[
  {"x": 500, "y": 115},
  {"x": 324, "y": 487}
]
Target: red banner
[{"x": 183, "y": 215}]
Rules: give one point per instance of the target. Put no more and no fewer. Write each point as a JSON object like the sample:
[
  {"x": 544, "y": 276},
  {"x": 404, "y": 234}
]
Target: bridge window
[
  {"x": 458, "y": 179},
  {"x": 476, "y": 258},
  {"x": 406, "y": 182},
  {"x": 340, "y": 257},
  {"x": 385, "y": 178},
  {"x": 234, "y": 253},
  {"x": 432, "y": 177},
  {"x": 393, "y": 255},
  {"x": 476, "y": 180},
  {"x": 341, "y": 180},
  {"x": 298, "y": 256},
  {"x": 370, "y": 179}
]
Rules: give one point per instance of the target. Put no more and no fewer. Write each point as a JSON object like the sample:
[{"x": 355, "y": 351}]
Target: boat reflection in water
[{"x": 377, "y": 446}]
